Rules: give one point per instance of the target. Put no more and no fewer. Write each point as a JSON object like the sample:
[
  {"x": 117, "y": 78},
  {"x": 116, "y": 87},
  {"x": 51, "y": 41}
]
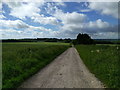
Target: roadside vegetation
[
  {"x": 103, "y": 61},
  {"x": 21, "y": 60},
  {"x": 101, "y": 57}
]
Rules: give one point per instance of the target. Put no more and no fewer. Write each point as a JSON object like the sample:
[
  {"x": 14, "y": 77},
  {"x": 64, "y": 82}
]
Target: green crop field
[
  {"x": 21, "y": 60},
  {"x": 103, "y": 61},
  {"x": 39, "y": 43}
]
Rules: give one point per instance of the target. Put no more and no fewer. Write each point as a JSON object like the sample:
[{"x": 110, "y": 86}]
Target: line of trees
[
  {"x": 81, "y": 39},
  {"x": 68, "y": 40}
]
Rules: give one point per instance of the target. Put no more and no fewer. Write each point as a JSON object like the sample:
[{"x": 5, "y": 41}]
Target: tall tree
[{"x": 84, "y": 39}]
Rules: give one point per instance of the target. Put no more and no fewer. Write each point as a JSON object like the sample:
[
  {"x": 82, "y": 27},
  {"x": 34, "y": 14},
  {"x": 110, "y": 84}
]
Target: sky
[{"x": 58, "y": 19}]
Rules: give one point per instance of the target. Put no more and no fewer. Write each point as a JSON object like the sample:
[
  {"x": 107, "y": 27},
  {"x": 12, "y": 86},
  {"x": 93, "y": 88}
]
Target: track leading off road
[{"x": 66, "y": 71}]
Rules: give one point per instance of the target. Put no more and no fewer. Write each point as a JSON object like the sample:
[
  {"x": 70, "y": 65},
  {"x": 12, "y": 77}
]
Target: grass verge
[
  {"x": 103, "y": 61},
  {"x": 20, "y": 61}
]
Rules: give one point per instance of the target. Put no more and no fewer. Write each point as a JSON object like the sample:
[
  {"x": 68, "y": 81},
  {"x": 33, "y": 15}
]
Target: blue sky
[{"x": 59, "y": 19}]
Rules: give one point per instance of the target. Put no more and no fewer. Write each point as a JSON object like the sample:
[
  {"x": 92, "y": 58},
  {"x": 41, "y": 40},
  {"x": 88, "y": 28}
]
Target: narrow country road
[{"x": 66, "y": 71}]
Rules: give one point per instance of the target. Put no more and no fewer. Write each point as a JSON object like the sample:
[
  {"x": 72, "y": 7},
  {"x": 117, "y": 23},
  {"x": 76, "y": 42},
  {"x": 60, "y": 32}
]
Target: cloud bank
[{"x": 52, "y": 21}]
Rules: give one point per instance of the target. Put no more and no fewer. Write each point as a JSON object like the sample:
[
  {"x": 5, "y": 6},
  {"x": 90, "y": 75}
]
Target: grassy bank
[
  {"x": 21, "y": 60},
  {"x": 103, "y": 61}
]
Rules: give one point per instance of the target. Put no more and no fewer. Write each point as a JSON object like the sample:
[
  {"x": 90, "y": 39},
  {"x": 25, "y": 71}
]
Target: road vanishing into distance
[{"x": 66, "y": 71}]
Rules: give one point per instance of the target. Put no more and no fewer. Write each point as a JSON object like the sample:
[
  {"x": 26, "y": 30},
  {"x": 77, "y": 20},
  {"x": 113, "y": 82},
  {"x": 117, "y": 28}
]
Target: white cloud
[
  {"x": 10, "y": 30},
  {"x": 10, "y": 33},
  {"x": 105, "y": 8},
  {"x": 19, "y": 29},
  {"x": 60, "y": 4},
  {"x": 105, "y": 35},
  {"x": 73, "y": 17},
  {"x": 0, "y": 5},
  {"x": 26, "y": 33},
  {"x": 2, "y": 16},
  {"x": 65, "y": 18},
  {"x": 39, "y": 29},
  {"x": 13, "y": 24},
  {"x": 42, "y": 19},
  {"x": 1, "y": 12},
  {"x": 45, "y": 20},
  {"x": 74, "y": 23},
  {"x": 32, "y": 9},
  {"x": 98, "y": 24},
  {"x": 69, "y": 23},
  {"x": 85, "y": 10},
  {"x": 92, "y": 27},
  {"x": 22, "y": 10},
  {"x": 18, "y": 24}
]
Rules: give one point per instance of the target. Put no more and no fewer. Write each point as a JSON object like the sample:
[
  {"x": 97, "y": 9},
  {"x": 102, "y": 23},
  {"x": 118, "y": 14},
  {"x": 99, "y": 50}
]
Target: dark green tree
[{"x": 84, "y": 39}]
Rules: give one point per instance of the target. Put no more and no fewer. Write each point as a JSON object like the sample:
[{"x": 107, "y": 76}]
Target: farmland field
[
  {"x": 103, "y": 61},
  {"x": 21, "y": 60}
]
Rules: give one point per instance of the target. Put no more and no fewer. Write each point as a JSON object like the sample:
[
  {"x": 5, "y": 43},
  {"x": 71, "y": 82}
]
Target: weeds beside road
[
  {"x": 103, "y": 61},
  {"x": 21, "y": 60}
]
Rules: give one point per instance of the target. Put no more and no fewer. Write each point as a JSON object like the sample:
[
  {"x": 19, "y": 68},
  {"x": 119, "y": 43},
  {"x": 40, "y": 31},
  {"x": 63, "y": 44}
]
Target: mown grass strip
[
  {"x": 103, "y": 61},
  {"x": 20, "y": 61}
]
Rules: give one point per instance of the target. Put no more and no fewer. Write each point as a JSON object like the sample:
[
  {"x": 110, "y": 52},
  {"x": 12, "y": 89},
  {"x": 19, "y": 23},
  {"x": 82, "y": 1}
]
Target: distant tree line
[
  {"x": 80, "y": 39},
  {"x": 68, "y": 40},
  {"x": 86, "y": 39}
]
